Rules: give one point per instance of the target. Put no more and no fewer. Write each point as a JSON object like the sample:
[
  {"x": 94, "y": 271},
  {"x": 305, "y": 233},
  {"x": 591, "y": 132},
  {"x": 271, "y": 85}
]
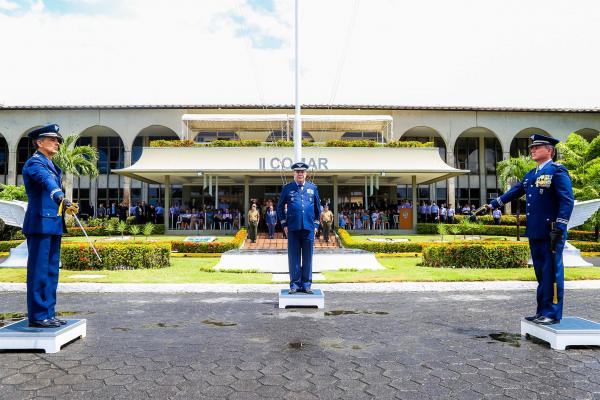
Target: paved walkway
[
  {"x": 279, "y": 242},
  {"x": 426, "y": 345}
]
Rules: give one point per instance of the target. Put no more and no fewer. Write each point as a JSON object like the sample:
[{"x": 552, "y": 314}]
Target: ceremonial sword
[{"x": 88, "y": 238}]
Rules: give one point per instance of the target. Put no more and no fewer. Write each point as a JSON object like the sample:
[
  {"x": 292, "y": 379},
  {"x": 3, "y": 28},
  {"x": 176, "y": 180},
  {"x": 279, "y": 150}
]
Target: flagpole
[{"x": 297, "y": 118}]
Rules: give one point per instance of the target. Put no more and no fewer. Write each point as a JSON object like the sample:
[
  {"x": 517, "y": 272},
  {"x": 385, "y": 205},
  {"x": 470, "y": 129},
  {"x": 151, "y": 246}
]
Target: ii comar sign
[{"x": 285, "y": 163}]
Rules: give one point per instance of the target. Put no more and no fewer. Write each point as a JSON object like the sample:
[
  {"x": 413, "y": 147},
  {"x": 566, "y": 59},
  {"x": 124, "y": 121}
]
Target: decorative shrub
[
  {"x": 586, "y": 246},
  {"x": 172, "y": 143},
  {"x": 128, "y": 255},
  {"x": 212, "y": 247},
  {"x": 476, "y": 255},
  {"x": 6, "y": 245},
  {"x": 496, "y": 230},
  {"x": 409, "y": 143},
  {"x": 489, "y": 220},
  {"x": 379, "y": 247},
  {"x": 90, "y": 230}
]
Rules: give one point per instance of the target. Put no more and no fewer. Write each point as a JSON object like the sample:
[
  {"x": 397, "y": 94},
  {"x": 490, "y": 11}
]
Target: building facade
[{"x": 472, "y": 139}]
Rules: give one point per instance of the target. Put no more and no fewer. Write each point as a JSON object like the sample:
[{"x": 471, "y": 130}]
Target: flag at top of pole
[{"x": 297, "y": 118}]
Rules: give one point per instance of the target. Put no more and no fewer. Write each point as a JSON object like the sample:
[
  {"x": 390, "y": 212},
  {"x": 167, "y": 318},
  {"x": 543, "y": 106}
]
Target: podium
[
  {"x": 405, "y": 218},
  {"x": 19, "y": 336}
]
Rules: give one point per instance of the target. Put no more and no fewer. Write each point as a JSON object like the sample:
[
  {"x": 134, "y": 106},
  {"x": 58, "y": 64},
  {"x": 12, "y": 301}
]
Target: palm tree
[
  {"x": 511, "y": 171},
  {"x": 76, "y": 161}
]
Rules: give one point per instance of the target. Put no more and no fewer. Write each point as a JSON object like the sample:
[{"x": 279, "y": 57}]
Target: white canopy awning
[
  {"x": 271, "y": 122},
  {"x": 190, "y": 165}
]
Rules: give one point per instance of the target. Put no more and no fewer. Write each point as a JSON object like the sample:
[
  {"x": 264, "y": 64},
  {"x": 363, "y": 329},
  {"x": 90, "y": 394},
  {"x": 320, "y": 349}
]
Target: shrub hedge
[
  {"x": 476, "y": 255},
  {"x": 115, "y": 256},
  {"x": 286, "y": 143},
  {"x": 6, "y": 245},
  {"x": 489, "y": 220},
  {"x": 586, "y": 246},
  {"x": 500, "y": 230},
  {"x": 379, "y": 247},
  {"x": 101, "y": 231}
]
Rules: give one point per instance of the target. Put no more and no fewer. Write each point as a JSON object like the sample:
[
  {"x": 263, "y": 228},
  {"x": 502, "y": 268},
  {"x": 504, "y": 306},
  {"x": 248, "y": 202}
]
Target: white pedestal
[
  {"x": 301, "y": 299},
  {"x": 571, "y": 331},
  {"x": 18, "y": 336}
]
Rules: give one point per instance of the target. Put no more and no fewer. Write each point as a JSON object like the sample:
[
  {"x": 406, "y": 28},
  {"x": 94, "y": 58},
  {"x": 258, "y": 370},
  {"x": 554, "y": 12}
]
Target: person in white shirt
[
  {"x": 451, "y": 212},
  {"x": 497, "y": 214},
  {"x": 443, "y": 213}
]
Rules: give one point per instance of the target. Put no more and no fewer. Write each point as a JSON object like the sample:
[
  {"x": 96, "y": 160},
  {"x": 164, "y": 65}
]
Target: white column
[
  {"x": 482, "y": 172},
  {"x": 216, "y": 192},
  {"x": 414, "y": 203},
  {"x": 126, "y": 179},
  {"x": 507, "y": 207},
  {"x": 246, "y": 205},
  {"x": 11, "y": 178},
  {"x": 366, "y": 205},
  {"x": 451, "y": 183},
  {"x": 335, "y": 200},
  {"x": 167, "y": 202}
]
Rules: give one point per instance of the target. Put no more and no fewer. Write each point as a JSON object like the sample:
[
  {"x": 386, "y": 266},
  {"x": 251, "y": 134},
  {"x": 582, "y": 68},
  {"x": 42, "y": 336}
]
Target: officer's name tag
[{"x": 310, "y": 191}]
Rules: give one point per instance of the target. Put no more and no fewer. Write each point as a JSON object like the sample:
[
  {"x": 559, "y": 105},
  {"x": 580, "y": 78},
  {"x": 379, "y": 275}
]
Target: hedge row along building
[{"x": 468, "y": 141}]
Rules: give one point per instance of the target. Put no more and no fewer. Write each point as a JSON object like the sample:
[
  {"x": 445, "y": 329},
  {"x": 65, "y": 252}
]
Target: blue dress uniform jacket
[
  {"x": 549, "y": 196},
  {"x": 302, "y": 218},
  {"x": 42, "y": 179},
  {"x": 43, "y": 228}
]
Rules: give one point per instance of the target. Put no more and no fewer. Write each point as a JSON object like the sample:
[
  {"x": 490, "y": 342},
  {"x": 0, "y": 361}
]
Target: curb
[{"x": 392, "y": 287}]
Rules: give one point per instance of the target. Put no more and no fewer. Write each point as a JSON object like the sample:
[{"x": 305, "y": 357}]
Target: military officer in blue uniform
[
  {"x": 549, "y": 195},
  {"x": 43, "y": 226},
  {"x": 300, "y": 224}
]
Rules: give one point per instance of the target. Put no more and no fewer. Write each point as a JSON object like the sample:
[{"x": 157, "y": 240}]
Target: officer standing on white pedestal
[
  {"x": 549, "y": 196},
  {"x": 43, "y": 226},
  {"x": 300, "y": 224}
]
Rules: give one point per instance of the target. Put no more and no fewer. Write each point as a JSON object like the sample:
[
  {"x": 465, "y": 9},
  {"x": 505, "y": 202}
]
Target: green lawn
[
  {"x": 141, "y": 237},
  {"x": 427, "y": 238},
  {"x": 182, "y": 270},
  {"x": 405, "y": 269}
]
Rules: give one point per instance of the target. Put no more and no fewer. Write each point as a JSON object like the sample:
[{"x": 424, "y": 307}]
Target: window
[
  {"x": 282, "y": 135},
  {"x": 493, "y": 154},
  {"x": 207, "y": 137},
  {"x": 376, "y": 136},
  {"x": 24, "y": 151},
  {"x": 519, "y": 147},
  {"x": 111, "y": 154},
  {"x": 466, "y": 153},
  {"x": 3, "y": 160}
]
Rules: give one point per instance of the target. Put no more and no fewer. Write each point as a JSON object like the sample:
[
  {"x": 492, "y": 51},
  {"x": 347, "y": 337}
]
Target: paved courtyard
[{"x": 428, "y": 345}]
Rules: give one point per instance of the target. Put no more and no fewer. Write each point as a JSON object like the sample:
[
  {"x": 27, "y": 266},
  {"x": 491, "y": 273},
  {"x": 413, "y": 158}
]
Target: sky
[{"x": 487, "y": 53}]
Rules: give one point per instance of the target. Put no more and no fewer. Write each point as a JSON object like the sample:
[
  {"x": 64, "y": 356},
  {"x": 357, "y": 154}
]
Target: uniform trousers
[
  {"x": 326, "y": 230},
  {"x": 253, "y": 230},
  {"x": 300, "y": 253},
  {"x": 545, "y": 274},
  {"x": 42, "y": 275}
]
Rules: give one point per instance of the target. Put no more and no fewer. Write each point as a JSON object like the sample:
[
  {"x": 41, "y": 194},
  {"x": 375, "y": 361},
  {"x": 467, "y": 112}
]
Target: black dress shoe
[
  {"x": 545, "y": 320},
  {"x": 308, "y": 291},
  {"x": 293, "y": 291},
  {"x": 46, "y": 323},
  {"x": 60, "y": 321},
  {"x": 533, "y": 317}
]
